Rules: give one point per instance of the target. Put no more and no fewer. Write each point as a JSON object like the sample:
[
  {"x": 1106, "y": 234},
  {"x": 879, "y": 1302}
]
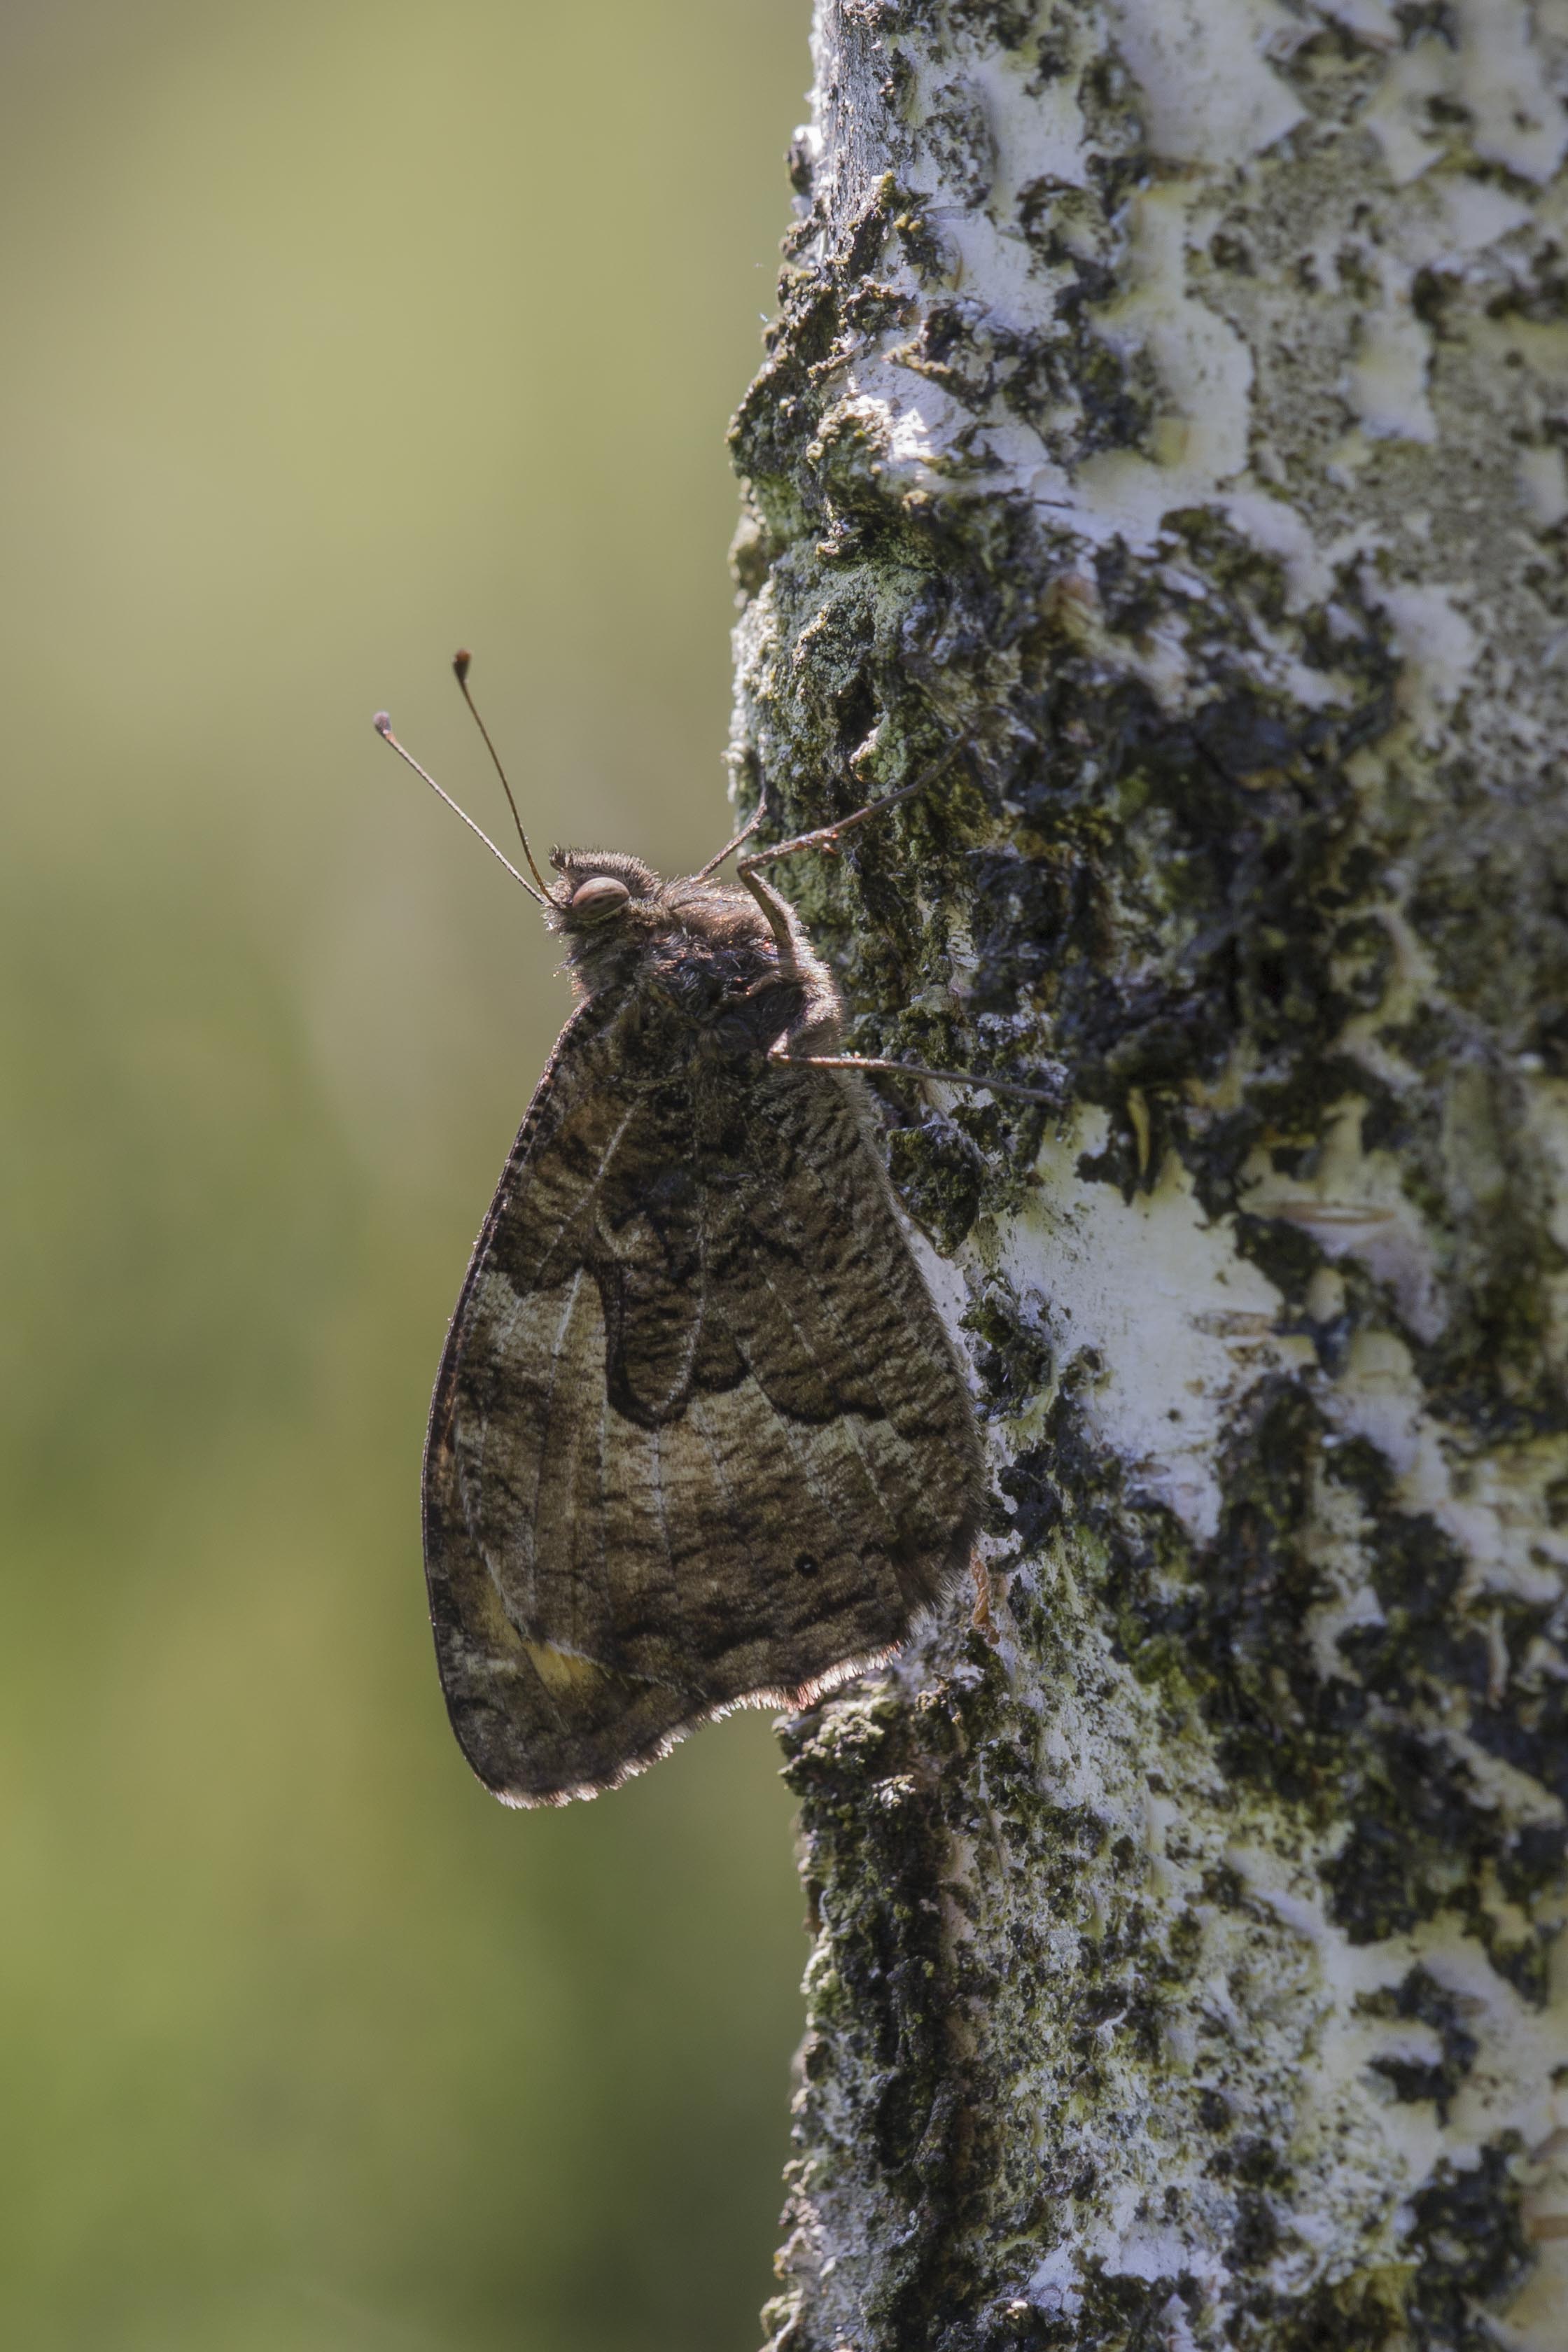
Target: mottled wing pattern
[{"x": 698, "y": 1437}]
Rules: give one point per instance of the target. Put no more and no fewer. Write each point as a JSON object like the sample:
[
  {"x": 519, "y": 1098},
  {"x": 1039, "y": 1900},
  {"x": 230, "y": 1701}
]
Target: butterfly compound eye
[{"x": 600, "y": 895}]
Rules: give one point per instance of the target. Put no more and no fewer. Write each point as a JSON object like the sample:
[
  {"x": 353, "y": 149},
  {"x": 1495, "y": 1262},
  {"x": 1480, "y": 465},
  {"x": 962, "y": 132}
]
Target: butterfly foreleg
[
  {"x": 826, "y": 836},
  {"x": 758, "y": 813},
  {"x": 777, "y": 916},
  {"x": 917, "y": 1070},
  {"x": 817, "y": 1026}
]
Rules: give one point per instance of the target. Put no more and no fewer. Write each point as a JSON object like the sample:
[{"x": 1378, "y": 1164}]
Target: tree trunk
[{"x": 1170, "y": 401}]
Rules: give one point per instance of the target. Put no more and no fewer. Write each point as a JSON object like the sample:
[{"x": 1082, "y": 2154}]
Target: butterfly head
[
  {"x": 597, "y": 885},
  {"x": 618, "y": 921},
  {"x": 606, "y": 907}
]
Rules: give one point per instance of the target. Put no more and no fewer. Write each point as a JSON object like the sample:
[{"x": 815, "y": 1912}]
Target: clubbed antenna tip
[
  {"x": 460, "y": 661},
  {"x": 384, "y": 728}
]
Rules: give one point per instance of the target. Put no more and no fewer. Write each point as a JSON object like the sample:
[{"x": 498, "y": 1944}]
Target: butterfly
[{"x": 698, "y": 1439}]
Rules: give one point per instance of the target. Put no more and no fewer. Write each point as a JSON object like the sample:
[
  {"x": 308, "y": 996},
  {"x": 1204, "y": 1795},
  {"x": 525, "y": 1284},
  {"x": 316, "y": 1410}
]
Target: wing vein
[{"x": 532, "y": 1521}]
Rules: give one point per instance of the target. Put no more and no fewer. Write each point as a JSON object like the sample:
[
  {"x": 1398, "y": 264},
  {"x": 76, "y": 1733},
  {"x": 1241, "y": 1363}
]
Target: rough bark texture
[{"x": 1170, "y": 397}]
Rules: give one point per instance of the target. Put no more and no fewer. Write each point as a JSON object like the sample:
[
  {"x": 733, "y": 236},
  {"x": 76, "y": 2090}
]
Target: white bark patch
[
  {"x": 1210, "y": 94},
  {"x": 1205, "y": 370},
  {"x": 1507, "y": 83},
  {"x": 1386, "y": 383},
  {"x": 1181, "y": 1326},
  {"x": 1373, "y": 20},
  {"x": 1497, "y": 72},
  {"x": 1438, "y": 647}
]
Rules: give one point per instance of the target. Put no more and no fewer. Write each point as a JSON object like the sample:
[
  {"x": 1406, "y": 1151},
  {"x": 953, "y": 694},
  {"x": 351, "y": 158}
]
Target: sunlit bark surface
[{"x": 1170, "y": 397}]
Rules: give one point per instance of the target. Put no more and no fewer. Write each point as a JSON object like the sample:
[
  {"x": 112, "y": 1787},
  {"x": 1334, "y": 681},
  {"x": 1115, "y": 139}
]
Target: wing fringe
[{"x": 791, "y": 1699}]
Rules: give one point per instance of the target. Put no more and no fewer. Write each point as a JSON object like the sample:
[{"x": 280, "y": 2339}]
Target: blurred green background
[{"x": 337, "y": 335}]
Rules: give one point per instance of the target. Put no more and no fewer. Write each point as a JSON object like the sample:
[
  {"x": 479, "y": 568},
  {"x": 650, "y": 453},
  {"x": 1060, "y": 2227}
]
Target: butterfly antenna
[
  {"x": 460, "y": 661},
  {"x": 384, "y": 728}
]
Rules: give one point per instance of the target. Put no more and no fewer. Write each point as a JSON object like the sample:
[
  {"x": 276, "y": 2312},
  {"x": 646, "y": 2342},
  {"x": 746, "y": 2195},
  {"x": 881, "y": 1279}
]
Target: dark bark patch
[
  {"x": 1422, "y": 1998},
  {"x": 1473, "y": 2252}
]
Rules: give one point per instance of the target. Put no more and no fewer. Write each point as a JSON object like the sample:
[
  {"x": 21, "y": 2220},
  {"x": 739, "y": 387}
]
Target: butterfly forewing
[{"x": 698, "y": 1436}]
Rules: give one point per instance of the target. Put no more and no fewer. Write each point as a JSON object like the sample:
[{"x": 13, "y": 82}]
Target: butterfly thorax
[{"x": 697, "y": 956}]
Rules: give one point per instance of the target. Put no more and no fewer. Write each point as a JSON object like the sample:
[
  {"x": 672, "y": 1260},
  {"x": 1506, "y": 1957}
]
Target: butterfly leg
[
  {"x": 735, "y": 842},
  {"x": 918, "y": 1070},
  {"x": 778, "y": 921},
  {"x": 826, "y": 836}
]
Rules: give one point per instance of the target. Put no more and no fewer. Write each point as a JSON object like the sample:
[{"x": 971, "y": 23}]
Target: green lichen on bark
[{"x": 1171, "y": 407}]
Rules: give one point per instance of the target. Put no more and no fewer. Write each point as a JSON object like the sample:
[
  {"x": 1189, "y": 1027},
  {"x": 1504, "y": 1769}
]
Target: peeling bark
[{"x": 1170, "y": 397}]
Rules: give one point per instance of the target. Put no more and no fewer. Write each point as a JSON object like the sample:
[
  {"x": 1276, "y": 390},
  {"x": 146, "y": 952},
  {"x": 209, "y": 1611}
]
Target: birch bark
[{"x": 1171, "y": 398}]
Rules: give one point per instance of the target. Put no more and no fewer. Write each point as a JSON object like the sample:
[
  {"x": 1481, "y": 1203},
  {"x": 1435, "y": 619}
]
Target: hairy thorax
[{"x": 698, "y": 960}]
